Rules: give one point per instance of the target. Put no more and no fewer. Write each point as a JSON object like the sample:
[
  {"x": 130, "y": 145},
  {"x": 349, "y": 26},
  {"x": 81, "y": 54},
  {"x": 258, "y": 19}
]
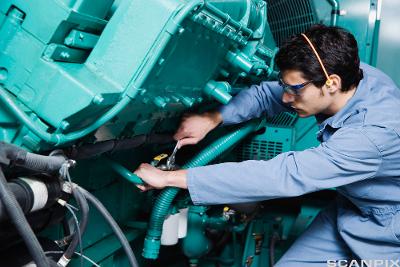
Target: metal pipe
[
  {"x": 220, "y": 91},
  {"x": 56, "y": 138},
  {"x": 335, "y": 11},
  {"x": 124, "y": 172},
  {"x": 196, "y": 244},
  {"x": 228, "y": 19}
]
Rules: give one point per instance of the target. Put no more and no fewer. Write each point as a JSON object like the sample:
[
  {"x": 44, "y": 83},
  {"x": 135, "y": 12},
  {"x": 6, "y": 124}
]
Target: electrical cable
[
  {"x": 113, "y": 224},
  {"x": 77, "y": 253},
  {"x": 17, "y": 217},
  {"x": 79, "y": 238},
  {"x": 84, "y": 207},
  {"x": 104, "y": 212},
  {"x": 81, "y": 227}
]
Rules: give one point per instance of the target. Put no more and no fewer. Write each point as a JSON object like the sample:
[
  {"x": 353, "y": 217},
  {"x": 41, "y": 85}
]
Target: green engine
[{"x": 89, "y": 89}]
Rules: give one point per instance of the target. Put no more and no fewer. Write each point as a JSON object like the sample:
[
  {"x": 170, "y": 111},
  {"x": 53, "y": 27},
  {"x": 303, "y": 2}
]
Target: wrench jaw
[{"x": 171, "y": 159}]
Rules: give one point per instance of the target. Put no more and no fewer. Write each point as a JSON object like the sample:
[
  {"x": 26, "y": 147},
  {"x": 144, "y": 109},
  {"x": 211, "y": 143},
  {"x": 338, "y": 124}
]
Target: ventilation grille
[
  {"x": 284, "y": 119},
  {"x": 259, "y": 150},
  {"x": 267, "y": 145},
  {"x": 289, "y": 17}
]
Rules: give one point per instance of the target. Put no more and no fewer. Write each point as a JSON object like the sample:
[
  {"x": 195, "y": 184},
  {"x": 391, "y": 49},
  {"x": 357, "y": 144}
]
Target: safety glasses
[{"x": 292, "y": 89}]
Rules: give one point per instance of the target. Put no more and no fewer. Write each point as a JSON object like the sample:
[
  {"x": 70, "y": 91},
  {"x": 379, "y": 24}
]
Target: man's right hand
[{"x": 194, "y": 127}]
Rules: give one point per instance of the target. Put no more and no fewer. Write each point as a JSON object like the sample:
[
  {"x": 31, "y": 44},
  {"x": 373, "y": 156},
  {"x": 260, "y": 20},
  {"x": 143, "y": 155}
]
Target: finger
[
  {"x": 149, "y": 167},
  {"x": 144, "y": 188},
  {"x": 180, "y": 134},
  {"x": 188, "y": 141},
  {"x": 144, "y": 164},
  {"x": 141, "y": 187},
  {"x": 177, "y": 136},
  {"x": 140, "y": 169}
]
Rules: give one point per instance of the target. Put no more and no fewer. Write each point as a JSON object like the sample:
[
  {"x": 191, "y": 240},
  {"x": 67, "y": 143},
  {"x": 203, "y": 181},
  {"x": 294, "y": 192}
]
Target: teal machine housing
[{"x": 79, "y": 74}]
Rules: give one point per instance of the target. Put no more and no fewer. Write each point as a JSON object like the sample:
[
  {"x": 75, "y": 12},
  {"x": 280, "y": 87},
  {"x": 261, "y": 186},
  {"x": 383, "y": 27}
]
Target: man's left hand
[{"x": 157, "y": 179}]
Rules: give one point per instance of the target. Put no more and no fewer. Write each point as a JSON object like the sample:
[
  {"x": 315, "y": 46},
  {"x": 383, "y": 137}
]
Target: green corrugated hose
[{"x": 161, "y": 207}]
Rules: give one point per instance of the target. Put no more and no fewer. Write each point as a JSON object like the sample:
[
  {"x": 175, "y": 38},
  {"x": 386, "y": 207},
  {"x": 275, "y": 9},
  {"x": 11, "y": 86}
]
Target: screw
[
  {"x": 64, "y": 55},
  {"x": 3, "y": 74},
  {"x": 64, "y": 125},
  {"x": 98, "y": 99}
]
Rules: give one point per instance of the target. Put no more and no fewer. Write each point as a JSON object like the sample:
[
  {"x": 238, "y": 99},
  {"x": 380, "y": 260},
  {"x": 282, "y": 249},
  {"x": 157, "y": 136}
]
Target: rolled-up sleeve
[
  {"x": 253, "y": 102},
  {"x": 347, "y": 157}
]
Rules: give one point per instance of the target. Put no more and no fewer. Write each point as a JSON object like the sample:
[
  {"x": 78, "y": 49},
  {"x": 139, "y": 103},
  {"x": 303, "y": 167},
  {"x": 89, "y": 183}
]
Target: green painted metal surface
[
  {"x": 73, "y": 73},
  {"x": 167, "y": 63}
]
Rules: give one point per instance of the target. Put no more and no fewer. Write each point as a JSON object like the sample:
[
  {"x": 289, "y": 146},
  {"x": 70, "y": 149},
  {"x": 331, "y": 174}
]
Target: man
[{"x": 357, "y": 108}]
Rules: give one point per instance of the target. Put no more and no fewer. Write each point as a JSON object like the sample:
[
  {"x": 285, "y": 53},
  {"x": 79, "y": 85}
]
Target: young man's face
[{"x": 309, "y": 100}]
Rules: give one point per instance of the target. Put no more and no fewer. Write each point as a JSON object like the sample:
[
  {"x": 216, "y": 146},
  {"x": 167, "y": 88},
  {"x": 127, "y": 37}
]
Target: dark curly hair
[{"x": 337, "y": 49}]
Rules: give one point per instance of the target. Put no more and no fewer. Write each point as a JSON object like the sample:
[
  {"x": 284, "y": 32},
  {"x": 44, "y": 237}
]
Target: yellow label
[{"x": 160, "y": 157}]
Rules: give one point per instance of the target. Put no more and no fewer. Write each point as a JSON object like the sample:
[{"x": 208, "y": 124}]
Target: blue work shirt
[{"x": 359, "y": 154}]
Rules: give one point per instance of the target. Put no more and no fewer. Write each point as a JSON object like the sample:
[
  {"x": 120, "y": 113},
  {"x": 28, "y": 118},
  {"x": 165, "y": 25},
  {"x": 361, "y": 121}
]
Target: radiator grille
[
  {"x": 289, "y": 17},
  {"x": 277, "y": 139},
  {"x": 259, "y": 150}
]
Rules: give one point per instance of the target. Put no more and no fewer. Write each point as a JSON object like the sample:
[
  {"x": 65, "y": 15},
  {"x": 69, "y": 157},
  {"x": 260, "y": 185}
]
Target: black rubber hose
[
  {"x": 17, "y": 217},
  {"x": 84, "y": 207},
  {"x": 40, "y": 163},
  {"x": 23, "y": 197},
  {"x": 113, "y": 224},
  {"x": 10, "y": 153},
  {"x": 65, "y": 226},
  {"x": 91, "y": 150},
  {"x": 97, "y": 149}
]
